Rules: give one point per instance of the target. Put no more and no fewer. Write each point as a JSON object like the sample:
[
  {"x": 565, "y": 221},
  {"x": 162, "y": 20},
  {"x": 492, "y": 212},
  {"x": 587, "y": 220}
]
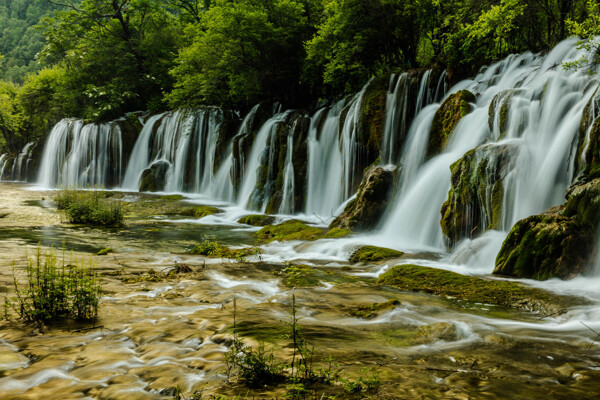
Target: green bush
[
  {"x": 55, "y": 289},
  {"x": 89, "y": 208}
]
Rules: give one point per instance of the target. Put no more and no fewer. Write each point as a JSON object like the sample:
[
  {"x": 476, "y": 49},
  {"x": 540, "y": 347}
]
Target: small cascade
[
  {"x": 82, "y": 155},
  {"x": 397, "y": 116},
  {"x": 287, "y": 203},
  {"x": 3, "y": 161}
]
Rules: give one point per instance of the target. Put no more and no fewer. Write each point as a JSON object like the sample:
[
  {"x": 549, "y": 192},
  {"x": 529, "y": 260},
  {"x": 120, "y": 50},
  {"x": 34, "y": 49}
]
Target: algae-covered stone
[
  {"x": 374, "y": 253},
  {"x": 449, "y": 284},
  {"x": 154, "y": 178},
  {"x": 475, "y": 199},
  {"x": 583, "y": 203},
  {"x": 289, "y": 230},
  {"x": 498, "y": 112},
  {"x": 370, "y": 311},
  {"x": 438, "y": 331},
  {"x": 104, "y": 252},
  {"x": 257, "y": 220},
  {"x": 365, "y": 211},
  {"x": 546, "y": 246},
  {"x": 336, "y": 233},
  {"x": 446, "y": 118}
]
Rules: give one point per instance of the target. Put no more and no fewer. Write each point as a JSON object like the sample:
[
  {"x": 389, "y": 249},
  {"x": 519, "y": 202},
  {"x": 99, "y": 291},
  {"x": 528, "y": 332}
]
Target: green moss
[
  {"x": 336, "y": 233},
  {"x": 455, "y": 107},
  {"x": 104, "y": 252},
  {"x": 372, "y": 121},
  {"x": 472, "y": 289},
  {"x": 172, "y": 197},
  {"x": 257, "y": 220},
  {"x": 289, "y": 230},
  {"x": 583, "y": 203},
  {"x": 369, "y": 311},
  {"x": 211, "y": 248},
  {"x": 373, "y": 253},
  {"x": 300, "y": 276}
]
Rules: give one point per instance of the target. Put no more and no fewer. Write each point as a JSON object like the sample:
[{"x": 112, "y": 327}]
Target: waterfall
[
  {"x": 543, "y": 118},
  {"x": 81, "y": 155},
  {"x": 3, "y": 161},
  {"x": 287, "y": 203},
  {"x": 185, "y": 140}
]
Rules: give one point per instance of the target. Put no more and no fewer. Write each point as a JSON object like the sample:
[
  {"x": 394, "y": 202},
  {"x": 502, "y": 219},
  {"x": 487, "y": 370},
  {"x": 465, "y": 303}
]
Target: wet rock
[
  {"x": 498, "y": 112},
  {"x": 228, "y": 128},
  {"x": 446, "y": 118},
  {"x": 438, "y": 331},
  {"x": 474, "y": 203},
  {"x": 587, "y": 161},
  {"x": 472, "y": 289},
  {"x": 373, "y": 253},
  {"x": 546, "y": 246},
  {"x": 257, "y": 220},
  {"x": 370, "y": 311},
  {"x": 154, "y": 177},
  {"x": 365, "y": 211},
  {"x": 289, "y": 230},
  {"x": 583, "y": 203}
]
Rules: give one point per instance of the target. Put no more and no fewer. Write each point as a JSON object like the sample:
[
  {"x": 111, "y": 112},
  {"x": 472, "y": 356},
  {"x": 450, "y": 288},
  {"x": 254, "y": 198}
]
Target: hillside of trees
[{"x": 98, "y": 59}]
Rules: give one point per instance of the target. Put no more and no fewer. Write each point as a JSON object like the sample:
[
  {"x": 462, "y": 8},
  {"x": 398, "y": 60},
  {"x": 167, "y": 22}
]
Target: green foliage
[
  {"x": 588, "y": 30},
  {"x": 55, "y": 289},
  {"x": 89, "y": 208}
]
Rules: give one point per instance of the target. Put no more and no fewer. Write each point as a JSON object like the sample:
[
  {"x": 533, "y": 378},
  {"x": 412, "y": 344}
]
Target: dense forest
[{"x": 99, "y": 59}]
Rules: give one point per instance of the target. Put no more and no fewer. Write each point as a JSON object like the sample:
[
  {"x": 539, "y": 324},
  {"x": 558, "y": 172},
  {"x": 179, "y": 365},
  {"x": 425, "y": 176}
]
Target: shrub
[
  {"x": 55, "y": 289},
  {"x": 89, "y": 208}
]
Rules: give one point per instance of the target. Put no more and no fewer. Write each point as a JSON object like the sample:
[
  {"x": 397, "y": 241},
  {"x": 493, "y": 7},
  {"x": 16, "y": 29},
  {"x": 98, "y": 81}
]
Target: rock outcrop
[
  {"x": 455, "y": 107},
  {"x": 154, "y": 178},
  {"x": 365, "y": 211},
  {"x": 546, "y": 246},
  {"x": 475, "y": 198}
]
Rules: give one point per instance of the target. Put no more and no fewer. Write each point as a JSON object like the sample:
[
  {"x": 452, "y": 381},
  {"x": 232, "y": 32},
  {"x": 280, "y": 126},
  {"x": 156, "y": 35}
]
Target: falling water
[
  {"x": 548, "y": 107},
  {"x": 287, "y": 203},
  {"x": 3, "y": 161}
]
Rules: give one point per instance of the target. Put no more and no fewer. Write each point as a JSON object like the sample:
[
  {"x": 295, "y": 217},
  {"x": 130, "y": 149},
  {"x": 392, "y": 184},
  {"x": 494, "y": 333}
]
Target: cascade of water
[
  {"x": 3, "y": 161},
  {"x": 238, "y": 161},
  {"x": 184, "y": 140},
  {"x": 287, "y": 203},
  {"x": 543, "y": 168},
  {"x": 17, "y": 172},
  {"x": 80, "y": 155},
  {"x": 396, "y": 116},
  {"x": 259, "y": 148}
]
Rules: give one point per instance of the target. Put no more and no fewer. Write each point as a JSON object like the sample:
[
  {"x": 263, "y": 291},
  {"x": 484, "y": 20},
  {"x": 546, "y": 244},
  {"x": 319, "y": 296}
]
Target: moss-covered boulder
[
  {"x": 446, "y": 118},
  {"x": 370, "y": 311},
  {"x": 289, "y": 230},
  {"x": 472, "y": 289},
  {"x": 546, "y": 246},
  {"x": 257, "y": 220},
  {"x": 474, "y": 202},
  {"x": 154, "y": 177},
  {"x": 365, "y": 211},
  {"x": 583, "y": 203},
  {"x": 374, "y": 253}
]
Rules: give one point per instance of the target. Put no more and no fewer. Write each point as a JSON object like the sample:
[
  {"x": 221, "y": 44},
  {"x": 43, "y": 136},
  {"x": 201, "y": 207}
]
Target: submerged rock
[
  {"x": 154, "y": 178},
  {"x": 546, "y": 246},
  {"x": 475, "y": 199},
  {"x": 446, "y": 118},
  {"x": 365, "y": 211},
  {"x": 475, "y": 290}
]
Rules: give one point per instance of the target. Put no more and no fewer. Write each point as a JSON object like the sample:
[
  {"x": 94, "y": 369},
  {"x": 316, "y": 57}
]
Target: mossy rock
[
  {"x": 472, "y": 289},
  {"x": 546, "y": 246},
  {"x": 374, "y": 253},
  {"x": 498, "y": 112},
  {"x": 257, "y": 220},
  {"x": 455, "y": 107},
  {"x": 337, "y": 233},
  {"x": 370, "y": 311},
  {"x": 213, "y": 249},
  {"x": 365, "y": 211},
  {"x": 583, "y": 203},
  {"x": 438, "y": 331},
  {"x": 289, "y": 230},
  {"x": 373, "y": 112},
  {"x": 475, "y": 198},
  {"x": 172, "y": 197},
  {"x": 154, "y": 178}
]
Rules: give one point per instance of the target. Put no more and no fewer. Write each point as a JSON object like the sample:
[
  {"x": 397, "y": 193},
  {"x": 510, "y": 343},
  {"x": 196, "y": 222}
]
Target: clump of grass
[
  {"x": 89, "y": 208},
  {"x": 54, "y": 290}
]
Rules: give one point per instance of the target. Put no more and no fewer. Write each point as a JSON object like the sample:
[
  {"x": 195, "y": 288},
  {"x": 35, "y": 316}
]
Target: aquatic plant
[
  {"x": 55, "y": 289},
  {"x": 89, "y": 207}
]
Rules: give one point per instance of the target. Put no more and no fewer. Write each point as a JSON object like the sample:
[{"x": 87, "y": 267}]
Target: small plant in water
[
  {"x": 89, "y": 207},
  {"x": 54, "y": 290}
]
